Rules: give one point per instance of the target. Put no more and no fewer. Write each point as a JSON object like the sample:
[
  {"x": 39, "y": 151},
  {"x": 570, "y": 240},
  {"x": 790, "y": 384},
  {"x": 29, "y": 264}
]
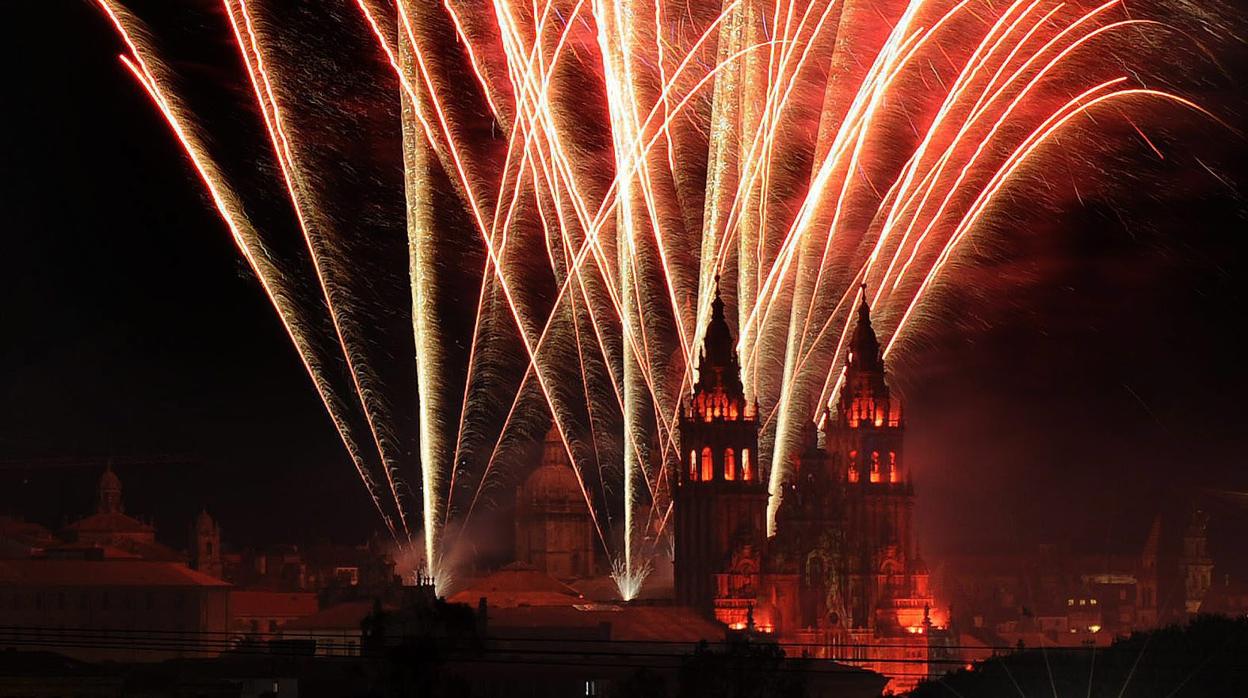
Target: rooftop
[
  {"x": 102, "y": 573},
  {"x": 517, "y": 584}
]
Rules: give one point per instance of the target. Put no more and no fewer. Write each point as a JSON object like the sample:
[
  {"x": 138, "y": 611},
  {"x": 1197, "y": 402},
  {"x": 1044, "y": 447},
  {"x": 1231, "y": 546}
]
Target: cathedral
[{"x": 842, "y": 576}]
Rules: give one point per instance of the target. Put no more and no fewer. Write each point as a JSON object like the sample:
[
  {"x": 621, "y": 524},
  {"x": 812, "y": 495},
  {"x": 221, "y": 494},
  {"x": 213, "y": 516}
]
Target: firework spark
[{"x": 796, "y": 152}]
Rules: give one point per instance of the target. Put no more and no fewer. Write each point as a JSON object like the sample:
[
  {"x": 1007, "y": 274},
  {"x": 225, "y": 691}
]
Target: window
[
  {"x": 730, "y": 464},
  {"x": 893, "y": 474},
  {"x": 853, "y": 466},
  {"x": 747, "y": 467},
  {"x": 693, "y": 465},
  {"x": 708, "y": 464},
  {"x": 875, "y": 466}
]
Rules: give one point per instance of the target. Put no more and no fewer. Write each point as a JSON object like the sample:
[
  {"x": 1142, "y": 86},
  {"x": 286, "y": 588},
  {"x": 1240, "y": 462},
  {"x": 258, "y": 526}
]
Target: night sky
[{"x": 1087, "y": 369}]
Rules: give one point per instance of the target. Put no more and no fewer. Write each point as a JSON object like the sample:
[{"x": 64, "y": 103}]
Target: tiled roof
[
  {"x": 277, "y": 604},
  {"x": 102, "y": 573},
  {"x": 518, "y": 584},
  {"x": 109, "y": 522},
  {"x": 343, "y": 616},
  {"x": 628, "y": 623},
  {"x": 18, "y": 529}
]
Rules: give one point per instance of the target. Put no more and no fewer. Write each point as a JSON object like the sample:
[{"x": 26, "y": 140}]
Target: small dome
[
  {"x": 552, "y": 483},
  {"x": 554, "y": 480}
]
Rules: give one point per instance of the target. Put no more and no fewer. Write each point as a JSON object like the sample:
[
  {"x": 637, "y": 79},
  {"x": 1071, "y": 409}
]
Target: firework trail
[{"x": 617, "y": 162}]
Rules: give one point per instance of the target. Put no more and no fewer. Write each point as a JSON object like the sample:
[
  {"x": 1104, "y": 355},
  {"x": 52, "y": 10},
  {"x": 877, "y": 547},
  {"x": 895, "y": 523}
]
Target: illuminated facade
[
  {"x": 842, "y": 577},
  {"x": 721, "y": 497}
]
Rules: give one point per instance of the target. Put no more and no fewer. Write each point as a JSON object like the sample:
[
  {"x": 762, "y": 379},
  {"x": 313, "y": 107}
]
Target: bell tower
[
  {"x": 864, "y": 434},
  {"x": 721, "y": 494},
  {"x": 108, "y": 497},
  {"x": 206, "y": 537}
]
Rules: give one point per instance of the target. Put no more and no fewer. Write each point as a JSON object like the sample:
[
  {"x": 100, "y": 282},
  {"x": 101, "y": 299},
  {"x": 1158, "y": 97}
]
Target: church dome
[{"x": 554, "y": 480}]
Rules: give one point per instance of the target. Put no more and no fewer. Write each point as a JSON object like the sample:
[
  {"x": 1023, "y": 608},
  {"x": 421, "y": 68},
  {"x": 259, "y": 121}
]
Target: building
[
  {"x": 721, "y": 498},
  {"x": 102, "y": 609},
  {"x": 518, "y": 584},
  {"x": 842, "y": 577},
  {"x": 554, "y": 532},
  {"x": 110, "y": 528},
  {"x": 205, "y": 541},
  {"x": 1055, "y": 596},
  {"x": 257, "y": 616}
]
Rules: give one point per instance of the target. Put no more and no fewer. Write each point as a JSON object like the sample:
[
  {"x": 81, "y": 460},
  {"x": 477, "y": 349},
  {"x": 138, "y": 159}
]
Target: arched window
[
  {"x": 893, "y": 474},
  {"x": 875, "y": 466},
  {"x": 747, "y": 466},
  {"x": 693, "y": 465},
  {"x": 730, "y": 464},
  {"x": 708, "y": 464},
  {"x": 852, "y": 472}
]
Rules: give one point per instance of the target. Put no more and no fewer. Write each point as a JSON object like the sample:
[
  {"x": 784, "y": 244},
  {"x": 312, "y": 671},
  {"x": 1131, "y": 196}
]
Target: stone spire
[
  {"x": 864, "y": 347},
  {"x": 718, "y": 367},
  {"x": 109, "y": 498}
]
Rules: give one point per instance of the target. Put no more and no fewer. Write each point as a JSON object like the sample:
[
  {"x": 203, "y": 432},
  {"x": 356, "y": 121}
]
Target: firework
[{"x": 638, "y": 154}]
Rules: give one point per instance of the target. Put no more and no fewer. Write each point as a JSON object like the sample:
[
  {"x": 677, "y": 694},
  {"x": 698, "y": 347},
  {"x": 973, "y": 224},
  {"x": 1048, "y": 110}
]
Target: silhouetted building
[
  {"x": 206, "y": 546},
  {"x": 1195, "y": 563},
  {"x": 127, "y": 609},
  {"x": 111, "y": 529}
]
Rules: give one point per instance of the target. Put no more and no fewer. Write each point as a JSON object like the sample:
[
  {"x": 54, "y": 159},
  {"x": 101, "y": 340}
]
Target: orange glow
[{"x": 985, "y": 89}]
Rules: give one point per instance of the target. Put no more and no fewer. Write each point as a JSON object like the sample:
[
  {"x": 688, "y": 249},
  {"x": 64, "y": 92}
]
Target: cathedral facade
[{"x": 841, "y": 577}]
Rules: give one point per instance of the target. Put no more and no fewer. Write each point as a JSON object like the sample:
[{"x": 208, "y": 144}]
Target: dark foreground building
[{"x": 429, "y": 647}]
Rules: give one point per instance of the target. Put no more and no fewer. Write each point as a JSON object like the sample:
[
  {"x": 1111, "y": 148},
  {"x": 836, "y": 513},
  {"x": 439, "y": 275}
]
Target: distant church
[{"x": 842, "y": 576}]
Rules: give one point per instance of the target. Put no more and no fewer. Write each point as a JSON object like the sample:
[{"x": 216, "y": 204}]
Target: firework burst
[{"x": 615, "y": 162}]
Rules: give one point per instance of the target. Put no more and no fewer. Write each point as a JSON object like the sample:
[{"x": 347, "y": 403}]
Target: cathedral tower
[
  {"x": 206, "y": 537},
  {"x": 864, "y": 440},
  {"x": 721, "y": 493}
]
